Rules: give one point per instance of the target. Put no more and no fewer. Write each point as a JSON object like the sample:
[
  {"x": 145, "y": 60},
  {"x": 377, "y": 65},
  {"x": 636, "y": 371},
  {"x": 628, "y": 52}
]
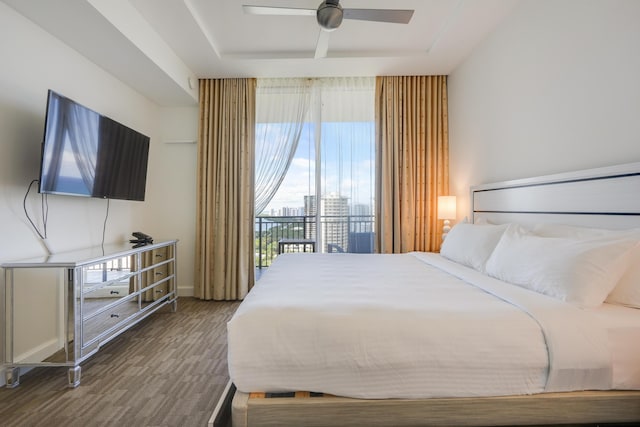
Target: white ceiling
[{"x": 160, "y": 47}]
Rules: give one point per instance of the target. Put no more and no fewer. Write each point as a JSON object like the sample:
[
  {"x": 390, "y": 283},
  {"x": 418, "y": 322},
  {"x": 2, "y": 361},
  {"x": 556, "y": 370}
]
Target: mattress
[{"x": 414, "y": 326}]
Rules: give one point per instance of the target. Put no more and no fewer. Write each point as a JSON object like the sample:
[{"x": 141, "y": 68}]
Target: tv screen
[{"x": 87, "y": 154}]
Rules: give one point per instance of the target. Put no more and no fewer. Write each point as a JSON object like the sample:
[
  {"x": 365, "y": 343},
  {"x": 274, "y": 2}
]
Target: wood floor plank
[{"x": 170, "y": 370}]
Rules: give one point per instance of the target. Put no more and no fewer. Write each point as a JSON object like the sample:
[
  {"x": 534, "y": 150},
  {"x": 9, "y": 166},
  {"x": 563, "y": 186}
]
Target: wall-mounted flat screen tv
[{"x": 87, "y": 154}]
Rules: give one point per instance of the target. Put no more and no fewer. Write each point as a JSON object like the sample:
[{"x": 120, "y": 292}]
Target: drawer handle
[
  {"x": 115, "y": 292},
  {"x": 159, "y": 291},
  {"x": 159, "y": 256},
  {"x": 115, "y": 315},
  {"x": 159, "y": 273}
]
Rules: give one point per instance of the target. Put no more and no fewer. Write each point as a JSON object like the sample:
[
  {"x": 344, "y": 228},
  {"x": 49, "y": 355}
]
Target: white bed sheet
[
  {"x": 381, "y": 326},
  {"x": 622, "y": 325}
]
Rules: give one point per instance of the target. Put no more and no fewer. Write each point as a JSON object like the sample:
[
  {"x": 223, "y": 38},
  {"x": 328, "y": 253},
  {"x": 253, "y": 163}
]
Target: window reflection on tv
[{"x": 87, "y": 154}]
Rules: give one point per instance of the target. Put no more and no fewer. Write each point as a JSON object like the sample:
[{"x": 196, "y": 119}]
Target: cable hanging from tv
[{"x": 44, "y": 208}]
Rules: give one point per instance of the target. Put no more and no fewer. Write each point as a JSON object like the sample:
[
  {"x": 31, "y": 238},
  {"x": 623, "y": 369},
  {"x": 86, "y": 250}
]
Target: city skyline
[
  {"x": 354, "y": 209},
  {"x": 338, "y": 228}
]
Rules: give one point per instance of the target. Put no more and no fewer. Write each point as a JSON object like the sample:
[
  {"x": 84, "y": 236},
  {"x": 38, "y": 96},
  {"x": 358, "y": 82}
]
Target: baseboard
[
  {"x": 185, "y": 291},
  {"x": 40, "y": 352}
]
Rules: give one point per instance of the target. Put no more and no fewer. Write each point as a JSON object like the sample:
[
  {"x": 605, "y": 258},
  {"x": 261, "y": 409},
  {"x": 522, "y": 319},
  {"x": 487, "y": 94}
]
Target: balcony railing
[{"x": 340, "y": 233}]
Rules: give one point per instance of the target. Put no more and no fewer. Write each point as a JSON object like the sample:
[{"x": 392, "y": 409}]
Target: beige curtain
[
  {"x": 225, "y": 200},
  {"x": 412, "y": 161}
]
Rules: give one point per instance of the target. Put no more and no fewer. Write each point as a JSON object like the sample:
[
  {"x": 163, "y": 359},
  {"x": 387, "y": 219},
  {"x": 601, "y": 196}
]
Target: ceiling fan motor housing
[{"x": 329, "y": 15}]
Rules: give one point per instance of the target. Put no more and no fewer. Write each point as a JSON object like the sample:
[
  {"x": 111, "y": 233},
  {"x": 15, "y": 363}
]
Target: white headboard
[{"x": 605, "y": 197}]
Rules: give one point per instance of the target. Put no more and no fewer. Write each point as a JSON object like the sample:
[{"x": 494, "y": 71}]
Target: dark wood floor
[{"x": 170, "y": 370}]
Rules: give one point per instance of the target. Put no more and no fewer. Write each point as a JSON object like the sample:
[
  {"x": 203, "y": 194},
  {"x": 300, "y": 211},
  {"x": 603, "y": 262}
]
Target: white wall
[
  {"x": 33, "y": 62},
  {"x": 171, "y": 188},
  {"x": 555, "y": 88}
]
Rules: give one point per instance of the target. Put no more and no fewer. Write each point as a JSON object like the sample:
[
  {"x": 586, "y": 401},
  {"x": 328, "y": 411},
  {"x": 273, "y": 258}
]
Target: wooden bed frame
[
  {"x": 605, "y": 197},
  {"x": 543, "y": 409}
]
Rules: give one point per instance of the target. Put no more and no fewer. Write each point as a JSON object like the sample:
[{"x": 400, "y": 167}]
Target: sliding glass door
[{"x": 326, "y": 193}]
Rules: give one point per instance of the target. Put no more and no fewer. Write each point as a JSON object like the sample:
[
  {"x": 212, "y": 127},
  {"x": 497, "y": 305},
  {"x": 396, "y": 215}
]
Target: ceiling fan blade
[
  {"x": 269, "y": 10},
  {"x": 323, "y": 44},
  {"x": 396, "y": 16}
]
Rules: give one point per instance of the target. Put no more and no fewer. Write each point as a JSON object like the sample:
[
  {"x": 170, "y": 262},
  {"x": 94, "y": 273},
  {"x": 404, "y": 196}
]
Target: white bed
[
  {"x": 424, "y": 339},
  {"x": 405, "y": 326}
]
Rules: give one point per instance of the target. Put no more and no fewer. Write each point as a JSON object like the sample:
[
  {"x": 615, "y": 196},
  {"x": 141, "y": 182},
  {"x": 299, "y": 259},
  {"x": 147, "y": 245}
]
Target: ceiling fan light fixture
[{"x": 329, "y": 15}]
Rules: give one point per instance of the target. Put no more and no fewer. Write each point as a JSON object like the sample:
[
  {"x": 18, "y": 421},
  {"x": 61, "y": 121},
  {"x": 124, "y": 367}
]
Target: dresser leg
[
  {"x": 74, "y": 376},
  {"x": 12, "y": 377}
]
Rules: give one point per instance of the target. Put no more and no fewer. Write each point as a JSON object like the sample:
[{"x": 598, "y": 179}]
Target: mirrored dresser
[{"x": 59, "y": 310}]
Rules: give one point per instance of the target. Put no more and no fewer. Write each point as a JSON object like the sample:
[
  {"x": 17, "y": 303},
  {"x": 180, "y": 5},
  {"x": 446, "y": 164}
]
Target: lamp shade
[{"x": 446, "y": 207}]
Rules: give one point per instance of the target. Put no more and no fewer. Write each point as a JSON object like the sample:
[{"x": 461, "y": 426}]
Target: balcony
[{"x": 350, "y": 233}]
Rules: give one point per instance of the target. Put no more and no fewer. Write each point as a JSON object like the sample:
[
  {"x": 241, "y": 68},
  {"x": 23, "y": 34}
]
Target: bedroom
[{"x": 552, "y": 89}]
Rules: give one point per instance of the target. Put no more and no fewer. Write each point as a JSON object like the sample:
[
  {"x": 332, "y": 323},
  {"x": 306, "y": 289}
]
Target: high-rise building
[
  {"x": 309, "y": 214},
  {"x": 361, "y": 218},
  {"x": 310, "y": 205},
  {"x": 334, "y": 210}
]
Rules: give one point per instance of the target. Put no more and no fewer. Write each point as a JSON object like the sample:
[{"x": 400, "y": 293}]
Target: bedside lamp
[{"x": 446, "y": 211}]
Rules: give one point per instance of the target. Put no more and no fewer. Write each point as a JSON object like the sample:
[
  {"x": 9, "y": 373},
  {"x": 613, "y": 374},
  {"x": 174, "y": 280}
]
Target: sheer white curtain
[
  {"x": 281, "y": 109},
  {"x": 332, "y": 176},
  {"x": 345, "y": 171}
]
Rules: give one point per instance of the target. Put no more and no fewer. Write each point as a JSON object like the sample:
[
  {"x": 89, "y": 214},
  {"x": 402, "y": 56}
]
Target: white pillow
[
  {"x": 471, "y": 244},
  {"x": 578, "y": 271},
  {"x": 480, "y": 220},
  {"x": 627, "y": 290}
]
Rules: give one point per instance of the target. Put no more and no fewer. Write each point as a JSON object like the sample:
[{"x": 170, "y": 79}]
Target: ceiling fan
[{"x": 330, "y": 15}]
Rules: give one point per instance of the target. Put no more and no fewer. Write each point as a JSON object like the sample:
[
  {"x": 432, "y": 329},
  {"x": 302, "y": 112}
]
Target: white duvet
[{"x": 408, "y": 326}]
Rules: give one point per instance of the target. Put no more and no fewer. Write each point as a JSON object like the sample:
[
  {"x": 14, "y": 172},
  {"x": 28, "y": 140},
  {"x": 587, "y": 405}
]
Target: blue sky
[{"x": 348, "y": 143}]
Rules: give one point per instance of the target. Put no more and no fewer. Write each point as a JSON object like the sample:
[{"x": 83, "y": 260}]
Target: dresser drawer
[
  {"x": 98, "y": 298},
  {"x": 158, "y": 255},
  {"x": 156, "y": 292},
  {"x": 160, "y": 272},
  {"x": 107, "y": 317}
]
